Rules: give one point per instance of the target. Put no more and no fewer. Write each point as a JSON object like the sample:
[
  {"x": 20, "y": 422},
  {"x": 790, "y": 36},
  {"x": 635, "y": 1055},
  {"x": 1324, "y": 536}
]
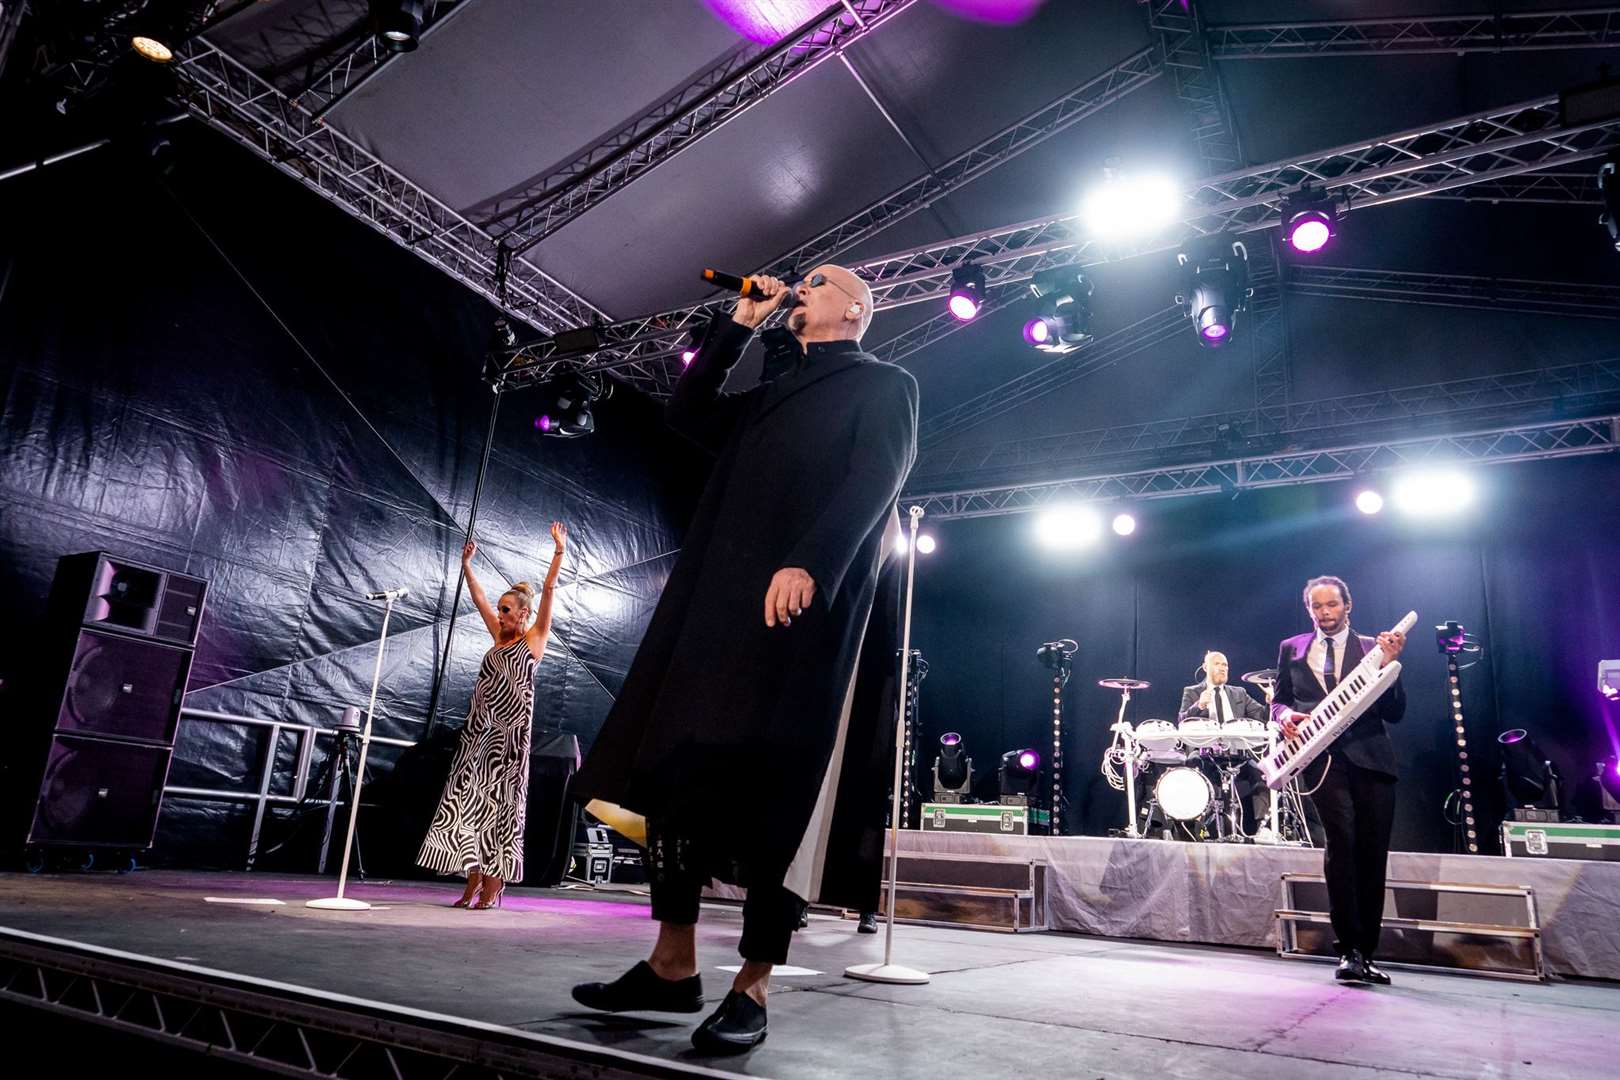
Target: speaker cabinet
[
  {"x": 105, "y": 703},
  {"x": 99, "y": 793},
  {"x": 123, "y": 688},
  {"x": 99, "y": 590}
]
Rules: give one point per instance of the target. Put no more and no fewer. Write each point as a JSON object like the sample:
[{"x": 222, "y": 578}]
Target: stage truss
[
  {"x": 1585, "y": 28},
  {"x": 1523, "y": 442}
]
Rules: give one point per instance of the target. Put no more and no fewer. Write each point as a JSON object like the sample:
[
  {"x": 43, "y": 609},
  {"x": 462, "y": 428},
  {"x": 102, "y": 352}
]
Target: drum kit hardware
[{"x": 1191, "y": 771}]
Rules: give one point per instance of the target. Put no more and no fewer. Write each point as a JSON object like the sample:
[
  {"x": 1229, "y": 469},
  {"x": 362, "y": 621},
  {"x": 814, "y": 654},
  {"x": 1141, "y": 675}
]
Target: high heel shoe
[
  {"x": 472, "y": 893},
  {"x": 484, "y": 904}
]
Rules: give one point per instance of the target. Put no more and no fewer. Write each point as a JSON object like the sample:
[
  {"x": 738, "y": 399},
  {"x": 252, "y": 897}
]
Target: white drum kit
[{"x": 1191, "y": 770}]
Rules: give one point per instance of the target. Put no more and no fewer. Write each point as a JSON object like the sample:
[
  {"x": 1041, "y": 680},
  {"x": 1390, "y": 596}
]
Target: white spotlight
[
  {"x": 1433, "y": 492},
  {"x": 1369, "y": 501},
  {"x": 925, "y": 544},
  {"x": 1124, "y": 524},
  {"x": 1126, "y": 206},
  {"x": 1069, "y": 527}
]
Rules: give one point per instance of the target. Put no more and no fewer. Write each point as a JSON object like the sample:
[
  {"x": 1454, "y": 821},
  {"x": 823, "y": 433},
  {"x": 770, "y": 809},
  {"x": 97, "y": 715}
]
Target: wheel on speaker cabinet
[{"x": 34, "y": 860}]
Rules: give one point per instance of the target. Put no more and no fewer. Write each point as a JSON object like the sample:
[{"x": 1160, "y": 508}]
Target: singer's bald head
[{"x": 839, "y": 309}]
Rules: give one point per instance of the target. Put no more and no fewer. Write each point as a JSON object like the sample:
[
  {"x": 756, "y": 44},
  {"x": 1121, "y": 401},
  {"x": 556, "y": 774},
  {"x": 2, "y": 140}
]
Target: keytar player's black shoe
[
  {"x": 1375, "y": 975},
  {"x": 868, "y": 923},
  {"x": 1352, "y": 968},
  {"x": 736, "y": 1027},
  {"x": 641, "y": 989}
]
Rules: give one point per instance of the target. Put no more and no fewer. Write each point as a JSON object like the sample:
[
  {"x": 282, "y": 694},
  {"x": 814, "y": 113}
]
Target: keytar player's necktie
[{"x": 1330, "y": 675}]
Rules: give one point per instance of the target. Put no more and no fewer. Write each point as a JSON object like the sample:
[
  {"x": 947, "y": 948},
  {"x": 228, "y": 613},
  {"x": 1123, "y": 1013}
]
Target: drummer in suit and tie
[{"x": 1217, "y": 699}]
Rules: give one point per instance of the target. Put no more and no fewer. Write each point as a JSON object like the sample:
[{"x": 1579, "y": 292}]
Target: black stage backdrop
[
  {"x": 157, "y": 405},
  {"x": 1533, "y": 569}
]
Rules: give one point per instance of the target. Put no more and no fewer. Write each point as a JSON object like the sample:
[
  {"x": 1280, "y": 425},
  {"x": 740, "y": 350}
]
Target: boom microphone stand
[{"x": 341, "y": 902}]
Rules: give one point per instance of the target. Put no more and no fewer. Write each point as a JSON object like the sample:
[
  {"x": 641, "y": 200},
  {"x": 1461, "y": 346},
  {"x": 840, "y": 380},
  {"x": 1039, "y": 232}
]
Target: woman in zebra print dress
[{"x": 477, "y": 829}]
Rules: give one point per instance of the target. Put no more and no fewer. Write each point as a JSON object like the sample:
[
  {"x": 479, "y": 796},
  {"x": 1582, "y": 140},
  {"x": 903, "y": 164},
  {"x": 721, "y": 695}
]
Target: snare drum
[
  {"x": 1243, "y": 736},
  {"x": 1196, "y": 733},
  {"x": 1158, "y": 741},
  {"x": 1184, "y": 794}
]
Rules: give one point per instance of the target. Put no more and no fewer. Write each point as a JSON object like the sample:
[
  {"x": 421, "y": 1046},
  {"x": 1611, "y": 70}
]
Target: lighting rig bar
[
  {"x": 1527, "y": 442},
  {"x": 1181, "y": 37},
  {"x": 718, "y": 96},
  {"x": 1480, "y": 148},
  {"x": 1488, "y": 148},
  {"x": 1588, "y": 28},
  {"x": 1485, "y": 399},
  {"x": 1456, "y": 290},
  {"x": 228, "y": 96}
]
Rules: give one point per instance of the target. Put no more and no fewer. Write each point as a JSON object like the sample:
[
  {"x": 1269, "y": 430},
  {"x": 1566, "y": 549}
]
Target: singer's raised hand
[
  {"x": 468, "y": 551},
  {"x": 751, "y": 313}
]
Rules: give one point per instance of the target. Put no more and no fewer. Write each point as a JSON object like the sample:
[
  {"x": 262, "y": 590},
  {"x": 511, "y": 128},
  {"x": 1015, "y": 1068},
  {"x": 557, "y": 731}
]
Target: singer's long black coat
[{"x": 725, "y": 729}]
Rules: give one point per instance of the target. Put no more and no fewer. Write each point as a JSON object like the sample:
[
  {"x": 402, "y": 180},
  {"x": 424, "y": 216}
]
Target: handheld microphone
[
  {"x": 388, "y": 594},
  {"x": 745, "y": 287}
]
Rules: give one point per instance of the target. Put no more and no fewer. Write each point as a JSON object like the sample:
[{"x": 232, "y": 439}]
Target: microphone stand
[
  {"x": 341, "y": 902},
  {"x": 888, "y": 971}
]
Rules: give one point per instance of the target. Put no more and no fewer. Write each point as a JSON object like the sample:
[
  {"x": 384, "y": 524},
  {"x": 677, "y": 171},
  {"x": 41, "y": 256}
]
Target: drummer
[{"x": 1216, "y": 699}]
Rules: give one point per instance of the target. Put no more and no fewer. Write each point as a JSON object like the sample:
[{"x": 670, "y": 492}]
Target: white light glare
[
  {"x": 1124, "y": 524},
  {"x": 925, "y": 544},
  {"x": 1123, "y": 205},
  {"x": 1369, "y": 501},
  {"x": 1433, "y": 492},
  {"x": 1069, "y": 527}
]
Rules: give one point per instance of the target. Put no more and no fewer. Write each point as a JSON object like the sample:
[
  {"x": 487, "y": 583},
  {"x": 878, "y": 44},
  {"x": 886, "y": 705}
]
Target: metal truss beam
[
  {"x": 1179, "y": 30},
  {"x": 1523, "y": 442},
  {"x": 229, "y": 97},
  {"x": 721, "y": 94},
  {"x": 1501, "y": 152},
  {"x": 284, "y": 1030},
  {"x": 1587, "y": 28},
  {"x": 1265, "y": 330},
  {"x": 1586, "y": 387},
  {"x": 1579, "y": 299},
  {"x": 1481, "y": 148}
]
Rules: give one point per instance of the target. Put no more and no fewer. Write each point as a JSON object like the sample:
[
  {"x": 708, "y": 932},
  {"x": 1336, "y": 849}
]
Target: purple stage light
[
  {"x": 1029, "y": 759},
  {"x": 1309, "y": 231},
  {"x": 544, "y": 424},
  {"x": 1000, "y": 12},
  {"x": 1037, "y": 332},
  {"x": 687, "y": 356},
  {"x": 1508, "y": 738},
  {"x": 963, "y": 306},
  {"x": 950, "y": 738},
  {"x": 1215, "y": 331},
  {"x": 764, "y": 21}
]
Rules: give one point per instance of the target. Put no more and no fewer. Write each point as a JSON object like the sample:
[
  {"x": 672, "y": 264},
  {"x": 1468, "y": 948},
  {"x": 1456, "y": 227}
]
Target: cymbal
[
  {"x": 1264, "y": 675},
  {"x": 1124, "y": 684}
]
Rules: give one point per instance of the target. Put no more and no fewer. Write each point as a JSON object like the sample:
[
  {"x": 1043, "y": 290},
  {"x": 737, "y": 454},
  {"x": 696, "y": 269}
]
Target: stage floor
[{"x": 999, "y": 1004}]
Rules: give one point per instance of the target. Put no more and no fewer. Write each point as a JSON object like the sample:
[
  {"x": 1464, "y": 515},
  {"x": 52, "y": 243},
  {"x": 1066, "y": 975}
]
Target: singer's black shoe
[
  {"x": 1352, "y": 968},
  {"x": 736, "y": 1027},
  {"x": 641, "y": 989},
  {"x": 868, "y": 923},
  {"x": 1375, "y": 975}
]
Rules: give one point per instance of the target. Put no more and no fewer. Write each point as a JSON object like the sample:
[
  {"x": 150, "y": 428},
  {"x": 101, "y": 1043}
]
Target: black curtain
[
  {"x": 1532, "y": 569},
  {"x": 219, "y": 373}
]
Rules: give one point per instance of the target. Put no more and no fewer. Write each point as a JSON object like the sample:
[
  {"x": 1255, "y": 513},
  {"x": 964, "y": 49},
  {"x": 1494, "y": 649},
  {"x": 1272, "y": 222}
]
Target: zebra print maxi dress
[{"x": 479, "y": 822}]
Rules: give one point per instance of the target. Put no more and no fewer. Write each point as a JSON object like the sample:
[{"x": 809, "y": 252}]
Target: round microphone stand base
[
  {"x": 339, "y": 903},
  {"x": 897, "y": 974}
]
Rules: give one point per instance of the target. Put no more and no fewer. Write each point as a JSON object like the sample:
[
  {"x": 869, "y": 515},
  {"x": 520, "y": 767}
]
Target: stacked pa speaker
[{"x": 106, "y": 704}]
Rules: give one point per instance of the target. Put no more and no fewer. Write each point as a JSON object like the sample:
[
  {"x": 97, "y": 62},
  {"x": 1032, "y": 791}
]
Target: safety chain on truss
[
  {"x": 1492, "y": 32},
  {"x": 1527, "y": 442},
  {"x": 725, "y": 92},
  {"x": 1588, "y": 387},
  {"x": 231, "y": 98}
]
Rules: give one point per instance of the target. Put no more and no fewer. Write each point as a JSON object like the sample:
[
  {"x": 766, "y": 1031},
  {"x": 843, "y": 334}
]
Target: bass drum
[{"x": 1184, "y": 794}]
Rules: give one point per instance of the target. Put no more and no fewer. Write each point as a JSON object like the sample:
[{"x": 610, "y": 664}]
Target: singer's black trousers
[
  {"x": 677, "y": 872},
  {"x": 1357, "y": 808}
]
